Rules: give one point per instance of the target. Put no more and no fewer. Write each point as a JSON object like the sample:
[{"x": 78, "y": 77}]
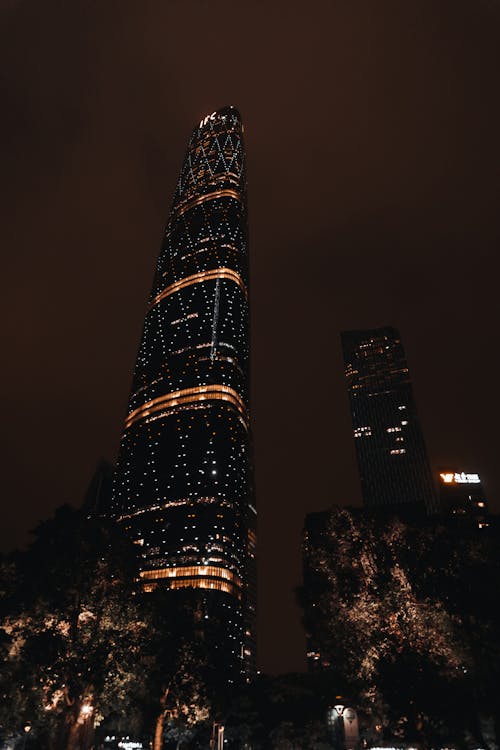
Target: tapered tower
[{"x": 183, "y": 486}]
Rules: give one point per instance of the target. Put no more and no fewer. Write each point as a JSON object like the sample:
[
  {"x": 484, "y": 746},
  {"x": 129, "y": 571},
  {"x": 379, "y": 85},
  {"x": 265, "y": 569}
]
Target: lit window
[{"x": 362, "y": 432}]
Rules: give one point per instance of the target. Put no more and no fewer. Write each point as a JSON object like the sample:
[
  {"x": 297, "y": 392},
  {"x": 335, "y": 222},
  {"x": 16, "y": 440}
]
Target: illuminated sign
[
  {"x": 206, "y": 119},
  {"x": 455, "y": 477}
]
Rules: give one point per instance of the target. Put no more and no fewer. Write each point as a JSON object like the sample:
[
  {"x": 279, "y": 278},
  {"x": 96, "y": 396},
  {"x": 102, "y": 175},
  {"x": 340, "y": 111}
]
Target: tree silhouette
[
  {"x": 405, "y": 614},
  {"x": 72, "y": 632}
]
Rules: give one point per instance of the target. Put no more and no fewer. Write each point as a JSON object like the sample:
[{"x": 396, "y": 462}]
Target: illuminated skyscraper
[
  {"x": 183, "y": 485},
  {"x": 390, "y": 448}
]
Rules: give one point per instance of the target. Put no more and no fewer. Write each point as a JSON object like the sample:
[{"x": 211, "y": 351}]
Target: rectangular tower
[
  {"x": 183, "y": 484},
  {"x": 314, "y": 537},
  {"x": 390, "y": 449}
]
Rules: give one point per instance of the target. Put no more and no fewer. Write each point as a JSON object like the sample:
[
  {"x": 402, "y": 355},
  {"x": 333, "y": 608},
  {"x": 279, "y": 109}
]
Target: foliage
[
  {"x": 182, "y": 678},
  {"x": 403, "y": 614},
  {"x": 72, "y": 633},
  {"x": 280, "y": 712},
  {"x": 79, "y": 645}
]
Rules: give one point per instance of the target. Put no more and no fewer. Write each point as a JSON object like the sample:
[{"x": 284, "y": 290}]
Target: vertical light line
[{"x": 215, "y": 321}]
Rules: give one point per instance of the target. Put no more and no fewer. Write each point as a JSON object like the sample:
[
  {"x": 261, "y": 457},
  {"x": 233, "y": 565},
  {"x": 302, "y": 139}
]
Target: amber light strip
[
  {"x": 187, "y": 395},
  {"x": 197, "y": 278},
  {"x": 228, "y": 193},
  {"x": 197, "y": 583},
  {"x": 212, "y": 182},
  {"x": 190, "y": 400},
  {"x": 206, "y": 583},
  {"x": 191, "y": 571}
]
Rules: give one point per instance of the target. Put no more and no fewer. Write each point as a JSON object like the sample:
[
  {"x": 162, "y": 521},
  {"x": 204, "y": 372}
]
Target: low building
[{"x": 462, "y": 496}]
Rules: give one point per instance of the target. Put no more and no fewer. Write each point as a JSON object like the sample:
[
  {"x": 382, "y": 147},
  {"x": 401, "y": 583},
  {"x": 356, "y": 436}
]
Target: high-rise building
[
  {"x": 183, "y": 485},
  {"x": 314, "y": 537},
  {"x": 97, "y": 500},
  {"x": 390, "y": 448},
  {"x": 462, "y": 496}
]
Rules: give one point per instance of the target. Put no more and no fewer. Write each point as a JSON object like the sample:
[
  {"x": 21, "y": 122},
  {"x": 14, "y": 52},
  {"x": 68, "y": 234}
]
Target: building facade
[
  {"x": 98, "y": 498},
  {"x": 183, "y": 485},
  {"x": 392, "y": 459},
  {"x": 462, "y": 496},
  {"x": 314, "y": 536}
]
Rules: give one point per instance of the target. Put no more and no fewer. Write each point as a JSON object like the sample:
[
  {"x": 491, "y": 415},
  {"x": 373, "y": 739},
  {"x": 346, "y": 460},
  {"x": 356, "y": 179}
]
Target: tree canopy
[
  {"x": 72, "y": 633},
  {"x": 404, "y": 615}
]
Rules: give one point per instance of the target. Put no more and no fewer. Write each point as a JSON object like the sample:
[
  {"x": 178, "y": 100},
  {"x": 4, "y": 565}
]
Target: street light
[{"x": 27, "y": 730}]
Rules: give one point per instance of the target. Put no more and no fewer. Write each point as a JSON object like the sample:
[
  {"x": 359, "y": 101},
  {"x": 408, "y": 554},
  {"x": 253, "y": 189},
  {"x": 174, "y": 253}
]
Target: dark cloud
[{"x": 373, "y": 157}]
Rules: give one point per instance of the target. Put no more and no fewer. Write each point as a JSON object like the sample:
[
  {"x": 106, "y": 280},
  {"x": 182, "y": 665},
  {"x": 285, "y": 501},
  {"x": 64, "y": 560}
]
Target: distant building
[
  {"x": 462, "y": 496},
  {"x": 183, "y": 487},
  {"x": 392, "y": 459},
  {"x": 314, "y": 535},
  {"x": 97, "y": 501}
]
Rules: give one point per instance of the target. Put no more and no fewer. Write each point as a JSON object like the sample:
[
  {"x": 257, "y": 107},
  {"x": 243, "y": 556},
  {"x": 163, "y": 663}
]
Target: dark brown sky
[{"x": 373, "y": 156}]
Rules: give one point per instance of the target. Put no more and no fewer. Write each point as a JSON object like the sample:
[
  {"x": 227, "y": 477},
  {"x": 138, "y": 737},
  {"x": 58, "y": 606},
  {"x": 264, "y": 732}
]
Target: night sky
[{"x": 372, "y": 132}]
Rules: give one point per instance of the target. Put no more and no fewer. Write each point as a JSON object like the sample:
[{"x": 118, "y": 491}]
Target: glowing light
[
  {"x": 187, "y": 396},
  {"x": 207, "y": 119},
  {"x": 447, "y": 478},
  {"x": 86, "y": 710},
  {"x": 189, "y": 571},
  {"x": 198, "y": 278},
  {"x": 459, "y": 478},
  {"x": 228, "y": 193}
]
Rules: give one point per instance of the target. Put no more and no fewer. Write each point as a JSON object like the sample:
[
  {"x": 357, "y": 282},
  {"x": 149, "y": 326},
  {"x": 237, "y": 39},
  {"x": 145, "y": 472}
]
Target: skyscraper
[
  {"x": 97, "y": 500},
  {"x": 390, "y": 448},
  {"x": 183, "y": 485},
  {"x": 314, "y": 537}
]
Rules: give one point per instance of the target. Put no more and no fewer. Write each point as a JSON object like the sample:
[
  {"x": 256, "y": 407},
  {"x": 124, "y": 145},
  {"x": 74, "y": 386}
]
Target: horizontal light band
[
  {"x": 176, "y": 504},
  {"x": 164, "y": 414},
  {"x": 191, "y": 400},
  {"x": 206, "y": 583},
  {"x": 227, "y": 193},
  {"x": 198, "y": 278},
  {"x": 191, "y": 571},
  {"x": 186, "y": 396}
]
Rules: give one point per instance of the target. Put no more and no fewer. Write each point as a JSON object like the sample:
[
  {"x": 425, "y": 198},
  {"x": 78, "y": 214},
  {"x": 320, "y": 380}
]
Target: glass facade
[
  {"x": 390, "y": 448},
  {"x": 183, "y": 486}
]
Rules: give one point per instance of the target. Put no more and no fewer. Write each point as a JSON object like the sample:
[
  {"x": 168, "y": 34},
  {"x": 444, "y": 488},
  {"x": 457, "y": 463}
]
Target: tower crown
[{"x": 228, "y": 111}]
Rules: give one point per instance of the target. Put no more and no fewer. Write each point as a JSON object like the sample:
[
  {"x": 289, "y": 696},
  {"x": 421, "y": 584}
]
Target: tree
[
  {"x": 72, "y": 631},
  {"x": 178, "y": 671},
  {"x": 284, "y": 711},
  {"x": 401, "y": 611}
]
